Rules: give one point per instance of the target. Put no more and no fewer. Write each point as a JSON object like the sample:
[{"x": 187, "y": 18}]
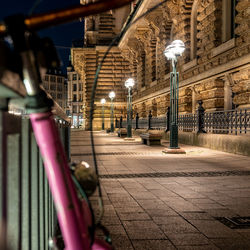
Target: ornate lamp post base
[
  {"x": 173, "y": 151},
  {"x": 129, "y": 139}
]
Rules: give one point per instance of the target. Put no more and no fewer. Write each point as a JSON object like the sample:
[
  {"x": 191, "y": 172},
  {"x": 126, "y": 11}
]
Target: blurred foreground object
[{"x": 86, "y": 176}]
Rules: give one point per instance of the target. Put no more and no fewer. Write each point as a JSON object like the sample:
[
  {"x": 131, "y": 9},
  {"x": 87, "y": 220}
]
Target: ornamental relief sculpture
[
  {"x": 79, "y": 62},
  {"x": 136, "y": 46}
]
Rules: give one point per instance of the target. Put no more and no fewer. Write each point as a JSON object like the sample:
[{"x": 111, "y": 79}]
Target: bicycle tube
[{"x": 69, "y": 212}]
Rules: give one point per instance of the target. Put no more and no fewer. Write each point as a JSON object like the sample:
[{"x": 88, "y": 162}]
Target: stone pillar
[
  {"x": 228, "y": 100},
  {"x": 193, "y": 100}
]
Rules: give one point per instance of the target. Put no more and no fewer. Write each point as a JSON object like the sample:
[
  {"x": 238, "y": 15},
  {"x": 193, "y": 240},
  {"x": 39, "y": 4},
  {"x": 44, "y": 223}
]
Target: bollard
[
  {"x": 137, "y": 121},
  {"x": 200, "y": 117},
  {"x": 116, "y": 123},
  {"x": 167, "y": 120},
  {"x": 149, "y": 119},
  {"x": 120, "y": 125}
]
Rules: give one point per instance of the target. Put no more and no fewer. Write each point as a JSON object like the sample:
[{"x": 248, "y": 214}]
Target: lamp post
[
  {"x": 112, "y": 96},
  {"x": 175, "y": 49},
  {"x": 103, "y": 101},
  {"x": 129, "y": 85}
]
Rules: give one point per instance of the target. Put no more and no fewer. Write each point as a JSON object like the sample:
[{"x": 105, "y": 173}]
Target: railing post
[
  {"x": 167, "y": 120},
  {"x": 116, "y": 123},
  {"x": 149, "y": 119},
  {"x": 200, "y": 117},
  {"x": 120, "y": 125},
  {"x": 137, "y": 121}
]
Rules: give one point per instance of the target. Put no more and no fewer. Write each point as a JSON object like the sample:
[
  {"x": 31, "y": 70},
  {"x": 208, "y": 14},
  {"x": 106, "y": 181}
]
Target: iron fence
[
  {"x": 216, "y": 122},
  {"x": 187, "y": 122},
  {"x": 27, "y": 211},
  {"x": 227, "y": 122},
  {"x": 158, "y": 123},
  {"x": 143, "y": 123}
]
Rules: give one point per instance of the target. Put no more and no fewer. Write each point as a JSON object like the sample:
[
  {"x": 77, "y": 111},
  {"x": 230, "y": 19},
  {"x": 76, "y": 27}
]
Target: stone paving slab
[{"x": 177, "y": 210}]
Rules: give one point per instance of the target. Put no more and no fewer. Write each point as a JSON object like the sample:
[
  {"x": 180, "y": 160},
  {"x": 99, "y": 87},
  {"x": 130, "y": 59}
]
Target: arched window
[
  {"x": 193, "y": 47},
  {"x": 143, "y": 68}
]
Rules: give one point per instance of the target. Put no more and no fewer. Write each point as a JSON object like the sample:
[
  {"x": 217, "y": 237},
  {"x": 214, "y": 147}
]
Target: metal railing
[
  {"x": 227, "y": 122},
  {"x": 187, "y": 123},
  {"x": 28, "y": 217},
  {"x": 216, "y": 122}
]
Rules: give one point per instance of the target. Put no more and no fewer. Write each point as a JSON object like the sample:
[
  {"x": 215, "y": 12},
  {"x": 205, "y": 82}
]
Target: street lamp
[
  {"x": 103, "y": 101},
  {"x": 175, "y": 49},
  {"x": 129, "y": 85},
  {"x": 112, "y": 96}
]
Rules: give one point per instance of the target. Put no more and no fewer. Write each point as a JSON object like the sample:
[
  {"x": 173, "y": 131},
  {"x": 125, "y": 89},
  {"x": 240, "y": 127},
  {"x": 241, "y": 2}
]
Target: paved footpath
[{"x": 157, "y": 201}]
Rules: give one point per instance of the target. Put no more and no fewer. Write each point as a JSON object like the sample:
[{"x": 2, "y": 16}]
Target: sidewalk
[{"x": 158, "y": 201}]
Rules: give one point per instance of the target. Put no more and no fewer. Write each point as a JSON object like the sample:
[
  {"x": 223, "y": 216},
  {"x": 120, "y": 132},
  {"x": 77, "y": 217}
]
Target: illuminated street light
[
  {"x": 129, "y": 85},
  {"x": 172, "y": 51},
  {"x": 103, "y": 101},
  {"x": 112, "y": 96}
]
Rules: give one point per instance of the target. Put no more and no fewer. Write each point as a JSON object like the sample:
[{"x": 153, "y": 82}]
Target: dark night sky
[{"x": 61, "y": 35}]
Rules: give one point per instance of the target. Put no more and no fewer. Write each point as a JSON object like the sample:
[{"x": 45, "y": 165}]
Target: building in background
[
  {"x": 99, "y": 32},
  {"x": 54, "y": 82},
  {"x": 75, "y": 98}
]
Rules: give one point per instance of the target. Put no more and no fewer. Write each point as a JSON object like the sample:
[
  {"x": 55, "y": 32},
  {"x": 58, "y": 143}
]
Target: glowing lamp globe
[
  {"x": 112, "y": 95},
  {"x": 129, "y": 83},
  {"x": 103, "y": 101},
  {"x": 178, "y": 47},
  {"x": 169, "y": 53}
]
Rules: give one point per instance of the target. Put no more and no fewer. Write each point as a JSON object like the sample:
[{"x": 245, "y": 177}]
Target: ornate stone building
[
  {"x": 99, "y": 32},
  {"x": 214, "y": 68}
]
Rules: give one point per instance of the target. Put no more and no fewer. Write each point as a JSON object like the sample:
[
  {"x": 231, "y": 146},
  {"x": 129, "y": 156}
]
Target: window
[
  {"x": 46, "y": 78},
  {"x": 74, "y": 109},
  {"x": 74, "y": 98},
  {"x": 53, "y": 95},
  {"x": 52, "y": 87},
  {"x": 59, "y": 87},
  {"x": 53, "y": 79},
  {"x": 59, "y": 96},
  {"x": 143, "y": 68},
  {"x": 59, "y": 79},
  {"x": 74, "y": 87},
  {"x": 74, "y": 77},
  {"x": 193, "y": 46},
  {"x": 153, "y": 62},
  {"x": 228, "y": 19}
]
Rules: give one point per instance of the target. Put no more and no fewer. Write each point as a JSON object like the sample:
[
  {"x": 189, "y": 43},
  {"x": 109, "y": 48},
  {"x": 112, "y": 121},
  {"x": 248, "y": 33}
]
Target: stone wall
[{"x": 218, "y": 68}]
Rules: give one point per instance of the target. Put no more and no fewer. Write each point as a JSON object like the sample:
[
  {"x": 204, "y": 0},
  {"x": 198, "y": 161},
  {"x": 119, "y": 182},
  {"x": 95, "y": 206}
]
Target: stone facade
[
  {"x": 214, "y": 67},
  {"x": 55, "y": 85}
]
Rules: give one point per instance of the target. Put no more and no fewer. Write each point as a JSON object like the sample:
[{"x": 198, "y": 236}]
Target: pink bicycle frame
[{"x": 69, "y": 211}]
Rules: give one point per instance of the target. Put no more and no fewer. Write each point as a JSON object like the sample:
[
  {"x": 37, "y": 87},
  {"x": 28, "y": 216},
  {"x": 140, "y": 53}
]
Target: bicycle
[{"x": 29, "y": 54}]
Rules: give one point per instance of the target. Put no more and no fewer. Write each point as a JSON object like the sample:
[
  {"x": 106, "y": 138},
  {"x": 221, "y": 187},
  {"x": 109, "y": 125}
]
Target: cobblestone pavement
[{"x": 158, "y": 201}]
